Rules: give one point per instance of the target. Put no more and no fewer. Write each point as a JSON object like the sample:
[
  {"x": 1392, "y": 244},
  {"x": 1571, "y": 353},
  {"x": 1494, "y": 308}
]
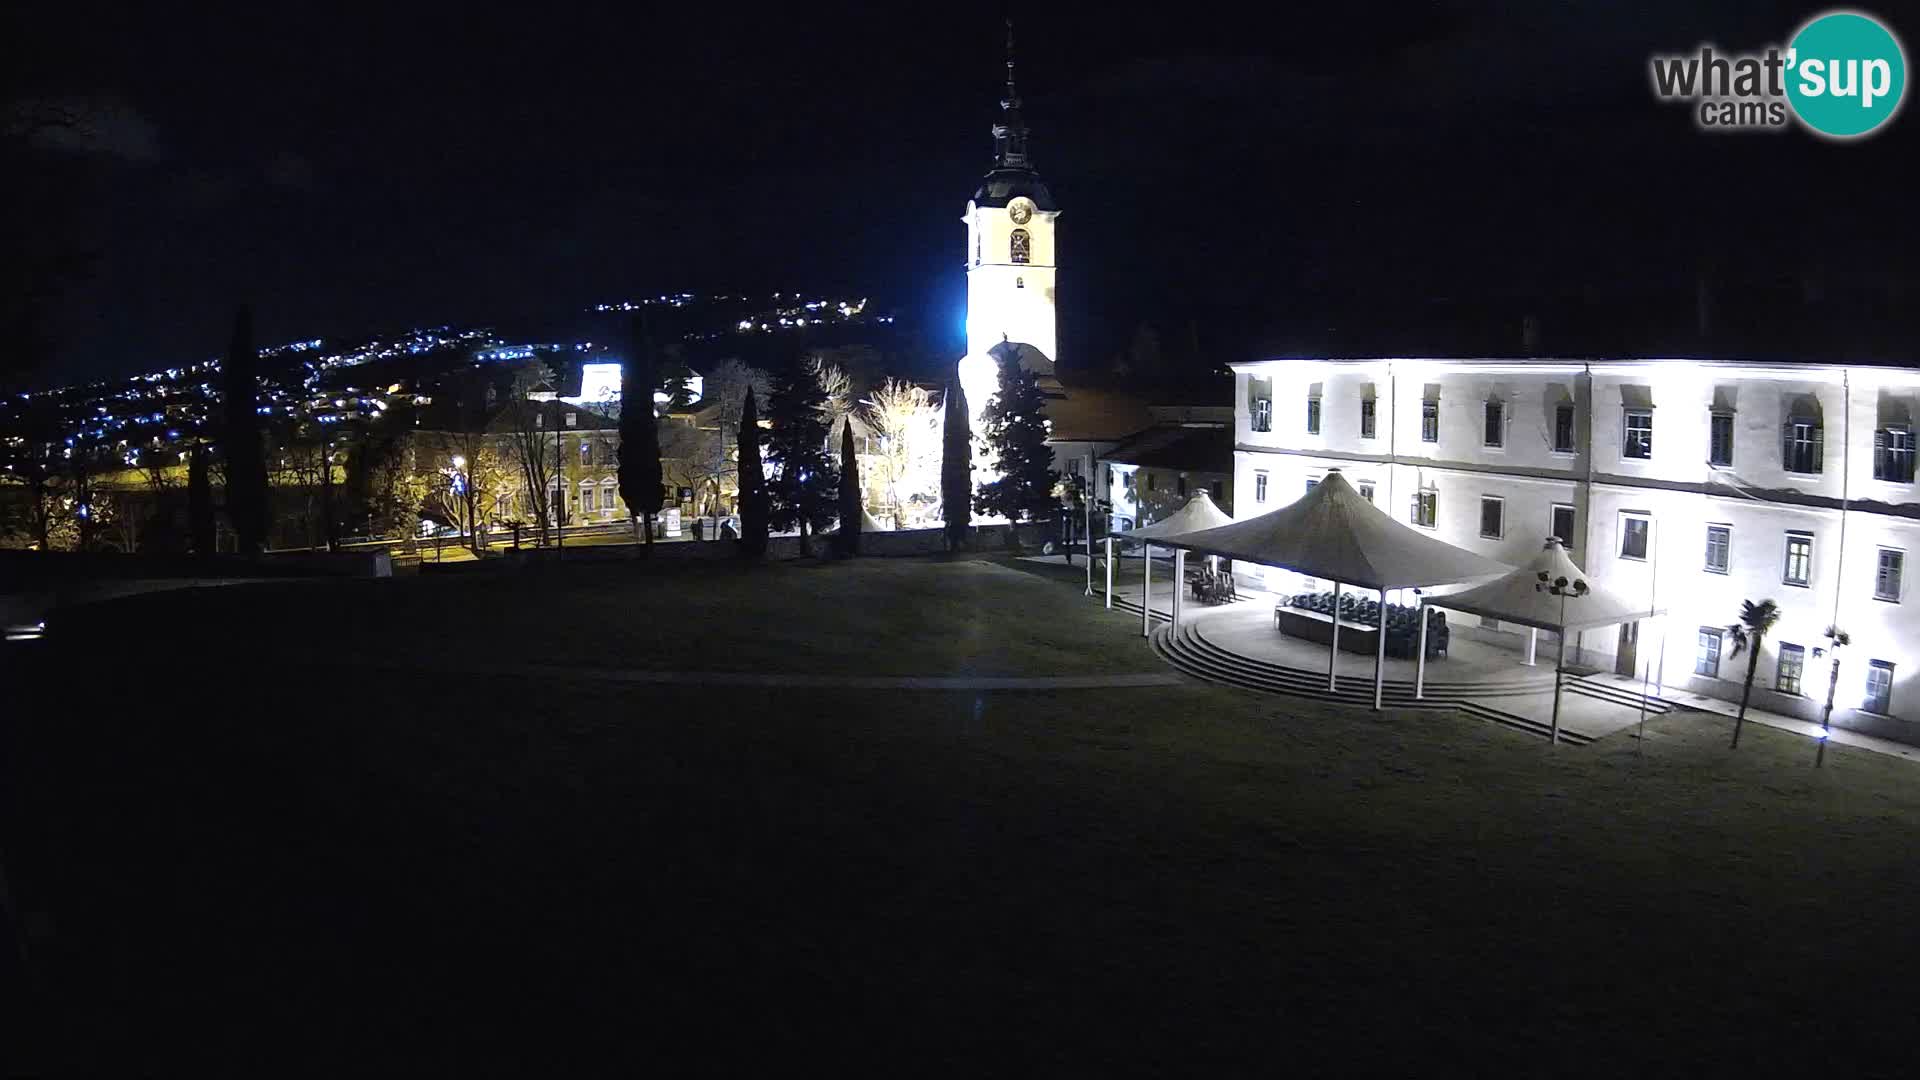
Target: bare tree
[
  {"x": 532, "y": 449},
  {"x": 908, "y": 423}
]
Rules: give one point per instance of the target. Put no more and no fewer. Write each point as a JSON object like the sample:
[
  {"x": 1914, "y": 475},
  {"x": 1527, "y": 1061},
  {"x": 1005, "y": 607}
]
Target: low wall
[{"x": 908, "y": 542}]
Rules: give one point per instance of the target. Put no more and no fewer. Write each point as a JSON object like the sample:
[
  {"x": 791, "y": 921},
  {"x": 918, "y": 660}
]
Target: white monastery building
[{"x": 1693, "y": 484}]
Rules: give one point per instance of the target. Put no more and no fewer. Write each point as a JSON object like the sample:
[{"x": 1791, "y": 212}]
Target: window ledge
[
  {"x": 1797, "y": 584},
  {"x": 1887, "y": 599},
  {"x": 1711, "y": 570}
]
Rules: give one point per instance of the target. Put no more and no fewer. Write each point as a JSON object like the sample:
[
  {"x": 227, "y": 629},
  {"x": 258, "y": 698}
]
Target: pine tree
[
  {"x": 641, "y": 482},
  {"x": 802, "y": 492},
  {"x": 246, "y": 459},
  {"x": 848, "y": 539},
  {"x": 956, "y": 466},
  {"x": 200, "y": 501},
  {"x": 1016, "y": 433},
  {"x": 753, "y": 483}
]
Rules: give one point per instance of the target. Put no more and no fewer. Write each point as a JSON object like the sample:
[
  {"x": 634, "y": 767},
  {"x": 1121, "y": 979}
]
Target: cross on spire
[{"x": 1010, "y": 132}]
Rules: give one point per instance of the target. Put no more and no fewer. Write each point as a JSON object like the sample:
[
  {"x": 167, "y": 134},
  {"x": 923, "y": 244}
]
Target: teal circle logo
[{"x": 1845, "y": 74}]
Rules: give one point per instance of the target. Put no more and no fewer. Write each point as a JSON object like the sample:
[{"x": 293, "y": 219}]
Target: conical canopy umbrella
[
  {"x": 1198, "y": 513},
  {"x": 1332, "y": 532}
]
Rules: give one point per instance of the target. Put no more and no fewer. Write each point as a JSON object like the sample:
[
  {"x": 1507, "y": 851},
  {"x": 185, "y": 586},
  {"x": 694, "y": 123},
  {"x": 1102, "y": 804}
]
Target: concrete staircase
[{"x": 1190, "y": 652}]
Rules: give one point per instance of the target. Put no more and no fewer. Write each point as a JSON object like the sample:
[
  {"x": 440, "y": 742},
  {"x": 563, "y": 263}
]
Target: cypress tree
[
  {"x": 200, "y": 501},
  {"x": 956, "y": 466},
  {"x": 753, "y": 483},
  {"x": 1016, "y": 424},
  {"x": 246, "y": 459},
  {"x": 802, "y": 492},
  {"x": 641, "y": 481},
  {"x": 848, "y": 539}
]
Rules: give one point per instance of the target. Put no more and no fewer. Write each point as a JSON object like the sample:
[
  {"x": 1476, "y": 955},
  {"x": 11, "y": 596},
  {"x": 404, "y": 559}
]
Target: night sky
[{"x": 1349, "y": 177}]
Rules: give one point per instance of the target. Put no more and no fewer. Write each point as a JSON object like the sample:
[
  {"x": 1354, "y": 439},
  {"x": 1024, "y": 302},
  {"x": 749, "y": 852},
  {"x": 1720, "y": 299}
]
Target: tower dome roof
[{"x": 1002, "y": 186}]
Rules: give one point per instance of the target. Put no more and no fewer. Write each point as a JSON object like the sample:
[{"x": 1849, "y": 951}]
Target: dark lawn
[{"x": 376, "y": 871}]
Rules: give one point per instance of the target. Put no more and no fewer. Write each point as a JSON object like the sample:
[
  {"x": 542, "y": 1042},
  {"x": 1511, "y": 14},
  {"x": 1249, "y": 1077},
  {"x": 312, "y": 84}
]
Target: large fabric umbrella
[
  {"x": 1549, "y": 593},
  {"x": 1333, "y": 532},
  {"x": 1198, "y": 513}
]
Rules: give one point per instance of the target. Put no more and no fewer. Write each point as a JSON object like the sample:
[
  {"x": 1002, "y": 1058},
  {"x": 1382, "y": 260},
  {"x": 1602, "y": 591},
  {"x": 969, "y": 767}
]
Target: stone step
[
  {"x": 1503, "y": 688},
  {"x": 1190, "y": 653}
]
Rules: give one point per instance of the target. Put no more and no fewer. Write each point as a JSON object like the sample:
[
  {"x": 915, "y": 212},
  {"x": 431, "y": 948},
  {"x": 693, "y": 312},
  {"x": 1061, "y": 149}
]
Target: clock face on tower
[{"x": 1020, "y": 210}]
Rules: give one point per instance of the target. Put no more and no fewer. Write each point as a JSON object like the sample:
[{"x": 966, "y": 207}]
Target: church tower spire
[{"x": 1010, "y": 131}]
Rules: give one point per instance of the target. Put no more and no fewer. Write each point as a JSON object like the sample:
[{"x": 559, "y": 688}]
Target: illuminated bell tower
[{"x": 1010, "y": 256}]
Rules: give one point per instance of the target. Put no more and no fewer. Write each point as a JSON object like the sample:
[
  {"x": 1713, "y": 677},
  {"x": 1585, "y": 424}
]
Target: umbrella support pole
[
  {"x": 1109, "y": 573},
  {"x": 1333, "y": 654},
  {"x": 1146, "y": 590},
  {"x": 1380, "y": 654},
  {"x": 1179, "y": 583},
  {"x": 1420, "y": 654},
  {"x": 1533, "y": 644},
  {"x": 1559, "y": 677}
]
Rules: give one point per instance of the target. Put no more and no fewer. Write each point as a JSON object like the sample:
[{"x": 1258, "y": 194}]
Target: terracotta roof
[{"x": 1086, "y": 414}]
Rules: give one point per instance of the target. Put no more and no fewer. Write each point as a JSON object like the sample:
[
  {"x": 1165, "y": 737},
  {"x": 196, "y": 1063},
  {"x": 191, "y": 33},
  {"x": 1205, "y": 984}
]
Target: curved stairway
[{"x": 1189, "y": 651}]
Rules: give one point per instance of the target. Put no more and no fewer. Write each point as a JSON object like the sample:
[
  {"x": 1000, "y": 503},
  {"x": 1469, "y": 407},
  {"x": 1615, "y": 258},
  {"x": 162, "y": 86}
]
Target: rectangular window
[
  {"x": 586, "y": 500},
  {"x": 1263, "y": 414},
  {"x": 1493, "y": 510},
  {"x": 1218, "y": 489},
  {"x": 1563, "y": 429},
  {"x": 1886, "y": 578},
  {"x": 586, "y": 454},
  {"x": 1259, "y": 487},
  {"x": 1799, "y": 567},
  {"x": 1312, "y": 482},
  {"x": 1639, "y": 434},
  {"x": 1706, "y": 653},
  {"x": 1893, "y": 455},
  {"x": 1496, "y": 425},
  {"x": 1786, "y": 677},
  {"x": 573, "y": 419},
  {"x": 1879, "y": 696},
  {"x": 1720, "y": 439},
  {"x": 1719, "y": 544},
  {"x": 1181, "y": 486},
  {"x": 1426, "y": 507},
  {"x": 1128, "y": 480},
  {"x": 1430, "y": 421},
  {"x": 1561, "y": 525},
  {"x": 1366, "y": 490},
  {"x": 1153, "y": 483},
  {"x": 1313, "y": 416},
  {"x": 1367, "y": 414},
  {"x": 1634, "y": 531},
  {"x": 1801, "y": 446}
]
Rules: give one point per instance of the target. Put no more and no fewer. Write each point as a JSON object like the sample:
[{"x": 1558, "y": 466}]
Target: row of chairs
[{"x": 1403, "y": 623}]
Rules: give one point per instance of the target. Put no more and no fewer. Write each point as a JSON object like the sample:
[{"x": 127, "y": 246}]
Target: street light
[{"x": 1562, "y": 588}]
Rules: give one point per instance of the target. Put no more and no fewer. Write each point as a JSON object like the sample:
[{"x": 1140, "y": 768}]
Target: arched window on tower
[
  {"x": 1019, "y": 283},
  {"x": 1022, "y": 246}
]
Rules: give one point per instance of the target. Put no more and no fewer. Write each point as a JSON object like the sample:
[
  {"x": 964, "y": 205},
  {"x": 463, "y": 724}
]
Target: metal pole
[
  {"x": 1179, "y": 583},
  {"x": 1146, "y": 589},
  {"x": 1086, "y": 503},
  {"x": 1558, "y": 678},
  {"x": 1533, "y": 644},
  {"x": 1333, "y": 654},
  {"x": 1109, "y": 573},
  {"x": 1380, "y": 652},
  {"x": 1420, "y": 660}
]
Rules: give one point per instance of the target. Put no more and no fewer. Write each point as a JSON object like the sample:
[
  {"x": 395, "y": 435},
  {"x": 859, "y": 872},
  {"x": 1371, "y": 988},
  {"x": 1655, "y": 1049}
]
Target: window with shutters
[
  {"x": 1367, "y": 415},
  {"x": 1786, "y": 677},
  {"x": 1799, "y": 565},
  {"x": 1426, "y": 507},
  {"x": 1639, "y": 434},
  {"x": 586, "y": 498},
  {"x": 1893, "y": 455},
  {"x": 1493, "y": 514},
  {"x": 1801, "y": 446},
  {"x": 1260, "y": 403},
  {"x": 1879, "y": 695},
  {"x": 1888, "y": 570},
  {"x": 1313, "y": 416},
  {"x": 1563, "y": 429},
  {"x": 1561, "y": 525},
  {"x": 1495, "y": 425},
  {"x": 1719, "y": 544},
  {"x": 1366, "y": 490},
  {"x": 1430, "y": 421},
  {"x": 1635, "y": 532},
  {"x": 1720, "y": 439},
  {"x": 1260, "y": 487},
  {"x": 1706, "y": 653}
]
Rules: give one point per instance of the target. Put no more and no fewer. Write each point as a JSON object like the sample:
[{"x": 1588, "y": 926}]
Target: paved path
[{"x": 807, "y": 682}]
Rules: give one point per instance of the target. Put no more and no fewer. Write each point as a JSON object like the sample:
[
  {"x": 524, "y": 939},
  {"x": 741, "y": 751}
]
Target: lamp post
[
  {"x": 466, "y": 500},
  {"x": 1562, "y": 588}
]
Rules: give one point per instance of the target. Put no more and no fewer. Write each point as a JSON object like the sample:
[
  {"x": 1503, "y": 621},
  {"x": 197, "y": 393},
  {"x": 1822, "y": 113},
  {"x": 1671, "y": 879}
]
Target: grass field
[{"x": 363, "y": 868}]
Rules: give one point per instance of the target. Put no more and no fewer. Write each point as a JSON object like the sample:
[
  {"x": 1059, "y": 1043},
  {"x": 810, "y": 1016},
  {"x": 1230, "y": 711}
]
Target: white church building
[{"x": 1692, "y": 484}]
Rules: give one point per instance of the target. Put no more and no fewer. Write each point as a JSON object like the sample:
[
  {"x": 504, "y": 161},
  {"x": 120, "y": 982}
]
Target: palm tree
[
  {"x": 1755, "y": 621},
  {"x": 1837, "y": 639}
]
